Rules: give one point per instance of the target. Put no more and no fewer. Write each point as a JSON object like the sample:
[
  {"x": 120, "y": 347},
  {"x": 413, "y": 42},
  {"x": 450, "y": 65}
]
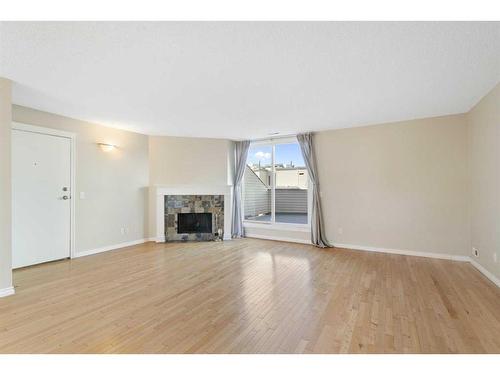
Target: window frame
[{"x": 273, "y": 223}]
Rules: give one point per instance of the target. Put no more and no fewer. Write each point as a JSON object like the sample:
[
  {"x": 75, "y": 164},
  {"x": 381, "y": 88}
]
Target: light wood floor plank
[{"x": 250, "y": 296}]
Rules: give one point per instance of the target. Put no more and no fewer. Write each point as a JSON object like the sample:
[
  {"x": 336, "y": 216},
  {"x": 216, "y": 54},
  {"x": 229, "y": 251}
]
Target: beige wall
[
  {"x": 187, "y": 161},
  {"x": 397, "y": 186},
  {"x": 484, "y": 138},
  {"x": 5, "y": 185},
  {"x": 115, "y": 183}
]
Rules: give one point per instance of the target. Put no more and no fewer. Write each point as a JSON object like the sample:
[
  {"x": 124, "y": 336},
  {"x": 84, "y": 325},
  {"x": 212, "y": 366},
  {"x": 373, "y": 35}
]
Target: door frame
[{"x": 72, "y": 137}]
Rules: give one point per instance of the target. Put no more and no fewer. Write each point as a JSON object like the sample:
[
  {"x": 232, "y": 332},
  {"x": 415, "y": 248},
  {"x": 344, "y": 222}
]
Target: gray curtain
[
  {"x": 317, "y": 227},
  {"x": 240, "y": 160}
]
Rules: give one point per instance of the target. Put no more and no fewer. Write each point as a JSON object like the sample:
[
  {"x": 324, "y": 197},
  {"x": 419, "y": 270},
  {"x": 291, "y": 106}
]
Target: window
[
  {"x": 275, "y": 185},
  {"x": 257, "y": 189}
]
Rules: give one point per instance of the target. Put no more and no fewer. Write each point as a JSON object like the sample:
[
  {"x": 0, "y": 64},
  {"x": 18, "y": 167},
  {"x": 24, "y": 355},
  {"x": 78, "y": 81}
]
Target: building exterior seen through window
[{"x": 283, "y": 198}]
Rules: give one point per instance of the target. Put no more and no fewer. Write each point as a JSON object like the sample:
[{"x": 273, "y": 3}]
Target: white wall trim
[
  {"x": 460, "y": 258},
  {"x": 7, "y": 291},
  {"x": 306, "y": 228},
  {"x": 72, "y": 137},
  {"x": 109, "y": 247},
  {"x": 42, "y": 130},
  {"x": 278, "y": 238},
  {"x": 495, "y": 280}
]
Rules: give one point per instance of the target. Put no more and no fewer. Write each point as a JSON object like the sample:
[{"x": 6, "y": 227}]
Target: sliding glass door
[{"x": 275, "y": 185}]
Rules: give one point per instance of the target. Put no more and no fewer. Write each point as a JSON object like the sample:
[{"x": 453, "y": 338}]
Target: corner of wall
[
  {"x": 483, "y": 132},
  {"x": 5, "y": 187}
]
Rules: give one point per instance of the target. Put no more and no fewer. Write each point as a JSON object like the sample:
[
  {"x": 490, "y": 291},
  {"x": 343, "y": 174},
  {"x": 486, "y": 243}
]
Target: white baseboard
[
  {"x": 495, "y": 280},
  {"x": 109, "y": 247},
  {"x": 160, "y": 239},
  {"x": 277, "y": 238},
  {"x": 7, "y": 291},
  {"x": 461, "y": 258}
]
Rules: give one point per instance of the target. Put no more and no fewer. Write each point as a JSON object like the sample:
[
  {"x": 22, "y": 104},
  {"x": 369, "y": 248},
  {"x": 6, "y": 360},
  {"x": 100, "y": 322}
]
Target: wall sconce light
[{"x": 106, "y": 147}]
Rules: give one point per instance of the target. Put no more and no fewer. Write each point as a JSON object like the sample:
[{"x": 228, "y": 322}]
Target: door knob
[{"x": 65, "y": 197}]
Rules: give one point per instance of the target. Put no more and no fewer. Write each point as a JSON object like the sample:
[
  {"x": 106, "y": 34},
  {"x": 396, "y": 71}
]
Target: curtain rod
[{"x": 273, "y": 137}]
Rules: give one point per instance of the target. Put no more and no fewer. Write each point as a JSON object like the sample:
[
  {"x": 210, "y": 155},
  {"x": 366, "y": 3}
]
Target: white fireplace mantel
[{"x": 161, "y": 191}]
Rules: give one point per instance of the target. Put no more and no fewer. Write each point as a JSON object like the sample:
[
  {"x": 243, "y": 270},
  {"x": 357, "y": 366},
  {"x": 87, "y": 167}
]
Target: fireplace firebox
[{"x": 194, "y": 223}]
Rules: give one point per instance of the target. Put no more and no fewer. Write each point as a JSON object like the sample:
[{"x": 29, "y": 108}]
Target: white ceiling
[{"x": 248, "y": 79}]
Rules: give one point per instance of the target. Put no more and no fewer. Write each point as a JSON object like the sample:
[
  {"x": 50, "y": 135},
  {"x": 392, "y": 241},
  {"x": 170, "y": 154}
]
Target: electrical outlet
[
  {"x": 341, "y": 230},
  {"x": 475, "y": 252},
  {"x": 495, "y": 257},
  {"x": 122, "y": 231}
]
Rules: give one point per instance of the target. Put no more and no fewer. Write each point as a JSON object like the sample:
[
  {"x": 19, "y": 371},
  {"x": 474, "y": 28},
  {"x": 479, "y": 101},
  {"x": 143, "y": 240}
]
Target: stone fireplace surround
[
  {"x": 161, "y": 191},
  {"x": 179, "y": 204}
]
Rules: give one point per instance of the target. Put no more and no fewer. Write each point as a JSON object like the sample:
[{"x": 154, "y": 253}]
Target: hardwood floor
[{"x": 250, "y": 296}]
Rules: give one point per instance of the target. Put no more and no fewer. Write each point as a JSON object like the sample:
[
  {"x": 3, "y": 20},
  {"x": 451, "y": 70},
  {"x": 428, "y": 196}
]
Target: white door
[{"x": 41, "y": 209}]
